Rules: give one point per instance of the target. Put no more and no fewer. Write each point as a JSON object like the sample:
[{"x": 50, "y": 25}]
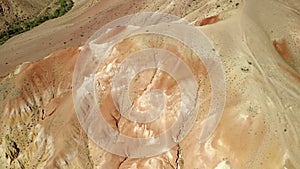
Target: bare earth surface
[
  {"x": 259, "y": 45},
  {"x": 19, "y": 10}
]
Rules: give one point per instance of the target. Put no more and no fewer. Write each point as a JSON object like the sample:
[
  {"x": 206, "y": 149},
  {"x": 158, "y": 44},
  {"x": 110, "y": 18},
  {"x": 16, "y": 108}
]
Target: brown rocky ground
[
  {"x": 12, "y": 11},
  {"x": 258, "y": 43}
]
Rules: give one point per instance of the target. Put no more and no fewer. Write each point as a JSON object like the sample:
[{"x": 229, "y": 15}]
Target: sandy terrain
[{"x": 259, "y": 45}]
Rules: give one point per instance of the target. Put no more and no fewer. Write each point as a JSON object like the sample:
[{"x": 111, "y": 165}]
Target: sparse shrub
[{"x": 23, "y": 26}]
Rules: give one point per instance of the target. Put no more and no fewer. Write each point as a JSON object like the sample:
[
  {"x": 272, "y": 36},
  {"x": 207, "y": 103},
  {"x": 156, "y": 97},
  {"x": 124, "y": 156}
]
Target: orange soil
[
  {"x": 283, "y": 50},
  {"x": 207, "y": 21}
]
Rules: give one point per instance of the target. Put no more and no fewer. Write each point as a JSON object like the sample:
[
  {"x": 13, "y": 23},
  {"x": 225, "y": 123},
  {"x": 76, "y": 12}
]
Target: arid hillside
[
  {"x": 258, "y": 43},
  {"x": 19, "y": 17},
  {"x": 12, "y": 11}
]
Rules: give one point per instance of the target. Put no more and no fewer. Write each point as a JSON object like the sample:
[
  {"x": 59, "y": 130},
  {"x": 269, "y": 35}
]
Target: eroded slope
[{"x": 258, "y": 43}]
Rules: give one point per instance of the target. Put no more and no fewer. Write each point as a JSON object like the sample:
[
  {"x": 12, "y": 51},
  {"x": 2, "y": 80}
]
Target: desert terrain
[{"x": 258, "y": 43}]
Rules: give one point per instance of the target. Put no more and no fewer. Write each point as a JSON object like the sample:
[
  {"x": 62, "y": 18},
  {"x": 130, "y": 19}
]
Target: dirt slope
[
  {"x": 12, "y": 11},
  {"x": 258, "y": 43}
]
